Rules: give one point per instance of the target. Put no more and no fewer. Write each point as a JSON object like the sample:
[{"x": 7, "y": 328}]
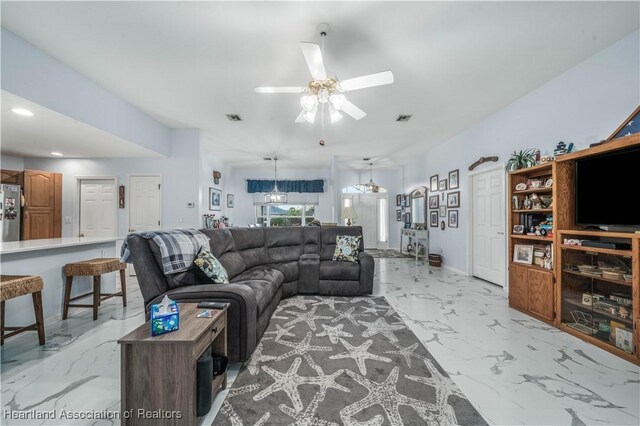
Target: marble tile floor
[{"x": 514, "y": 369}]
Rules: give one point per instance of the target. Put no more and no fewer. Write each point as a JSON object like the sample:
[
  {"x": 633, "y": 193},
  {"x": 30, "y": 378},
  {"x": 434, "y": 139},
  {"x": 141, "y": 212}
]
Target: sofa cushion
[
  {"x": 261, "y": 273},
  {"x": 290, "y": 270},
  {"x": 329, "y": 236},
  {"x": 250, "y": 244},
  {"x": 223, "y": 248},
  {"x": 264, "y": 292},
  {"x": 347, "y": 248},
  {"x": 311, "y": 239},
  {"x": 337, "y": 270},
  {"x": 209, "y": 268},
  {"x": 283, "y": 244}
]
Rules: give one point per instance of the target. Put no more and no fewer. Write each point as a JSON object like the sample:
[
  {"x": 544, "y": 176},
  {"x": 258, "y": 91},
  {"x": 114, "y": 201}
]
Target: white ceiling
[
  {"x": 190, "y": 63},
  {"x": 49, "y": 131}
]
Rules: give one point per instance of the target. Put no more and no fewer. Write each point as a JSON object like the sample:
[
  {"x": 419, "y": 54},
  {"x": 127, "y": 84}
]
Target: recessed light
[
  {"x": 22, "y": 111},
  {"x": 56, "y": 154}
]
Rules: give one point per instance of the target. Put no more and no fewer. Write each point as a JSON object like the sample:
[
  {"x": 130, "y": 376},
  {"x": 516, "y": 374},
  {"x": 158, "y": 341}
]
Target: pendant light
[
  {"x": 372, "y": 187},
  {"x": 275, "y": 196}
]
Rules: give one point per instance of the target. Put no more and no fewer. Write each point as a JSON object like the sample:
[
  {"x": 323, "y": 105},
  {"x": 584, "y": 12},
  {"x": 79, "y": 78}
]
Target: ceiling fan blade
[
  {"x": 313, "y": 56},
  {"x": 300, "y": 118},
  {"x": 353, "y": 110},
  {"x": 280, "y": 89},
  {"x": 371, "y": 80}
]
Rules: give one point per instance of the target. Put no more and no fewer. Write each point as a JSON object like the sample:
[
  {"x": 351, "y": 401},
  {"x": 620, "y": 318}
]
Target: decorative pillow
[
  {"x": 347, "y": 247},
  {"x": 209, "y": 268}
]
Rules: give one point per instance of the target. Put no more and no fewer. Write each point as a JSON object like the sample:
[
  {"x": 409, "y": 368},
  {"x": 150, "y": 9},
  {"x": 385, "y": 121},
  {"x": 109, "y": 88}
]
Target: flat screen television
[{"x": 606, "y": 186}]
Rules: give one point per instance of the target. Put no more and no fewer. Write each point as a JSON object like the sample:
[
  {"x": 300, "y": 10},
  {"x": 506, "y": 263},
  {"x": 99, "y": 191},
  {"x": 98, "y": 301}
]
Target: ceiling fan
[{"x": 325, "y": 90}]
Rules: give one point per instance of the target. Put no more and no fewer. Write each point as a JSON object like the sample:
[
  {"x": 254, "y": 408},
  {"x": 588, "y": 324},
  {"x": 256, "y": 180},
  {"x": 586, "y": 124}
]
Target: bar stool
[
  {"x": 12, "y": 286},
  {"x": 95, "y": 268}
]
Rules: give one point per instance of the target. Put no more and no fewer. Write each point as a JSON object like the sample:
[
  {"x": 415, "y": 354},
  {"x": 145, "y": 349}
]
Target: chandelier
[
  {"x": 372, "y": 187},
  {"x": 275, "y": 196}
]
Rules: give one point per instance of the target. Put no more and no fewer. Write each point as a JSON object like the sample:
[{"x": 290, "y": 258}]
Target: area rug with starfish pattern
[{"x": 340, "y": 360}]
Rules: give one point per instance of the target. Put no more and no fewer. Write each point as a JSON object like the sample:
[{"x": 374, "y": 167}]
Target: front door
[
  {"x": 97, "y": 208},
  {"x": 488, "y": 235}
]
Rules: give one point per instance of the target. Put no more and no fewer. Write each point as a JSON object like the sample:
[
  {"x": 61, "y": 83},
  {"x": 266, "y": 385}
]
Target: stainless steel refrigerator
[{"x": 10, "y": 212}]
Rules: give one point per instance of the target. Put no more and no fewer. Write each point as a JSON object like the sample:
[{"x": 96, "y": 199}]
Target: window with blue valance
[{"x": 313, "y": 186}]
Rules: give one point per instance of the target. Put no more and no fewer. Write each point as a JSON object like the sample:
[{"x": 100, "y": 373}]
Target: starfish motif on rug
[
  {"x": 308, "y": 416},
  {"x": 330, "y": 302},
  {"x": 386, "y": 395},
  {"x": 281, "y": 332},
  {"x": 289, "y": 381},
  {"x": 334, "y": 333},
  {"x": 297, "y": 302},
  {"x": 230, "y": 413},
  {"x": 309, "y": 317},
  {"x": 257, "y": 358},
  {"x": 373, "y": 310},
  {"x": 443, "y": 385},
  {"x": 348, "y": 315},
  {"x": 360, "y": 354},
  {"x": 380, "y": 326},
  {"x": 368, "y": 300},
  {"x": 407, "y": 352},
  {"x": 301, "y": 348}
]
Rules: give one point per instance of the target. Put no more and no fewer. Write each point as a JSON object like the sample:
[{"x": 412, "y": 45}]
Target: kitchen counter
[{"x": 11, "y": 247}]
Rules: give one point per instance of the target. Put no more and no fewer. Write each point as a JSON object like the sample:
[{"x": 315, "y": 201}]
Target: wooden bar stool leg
[
  {"x": 123, "y": 286},
  {"x": 96, "y": 296},
  {"x": 37, "y": 307},
  {"x": 67, "y": 295},
  {"x": 2, "y": 323}
]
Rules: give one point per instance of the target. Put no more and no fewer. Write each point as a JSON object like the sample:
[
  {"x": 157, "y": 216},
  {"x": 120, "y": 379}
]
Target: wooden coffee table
[{"x": 158, "y": 374}]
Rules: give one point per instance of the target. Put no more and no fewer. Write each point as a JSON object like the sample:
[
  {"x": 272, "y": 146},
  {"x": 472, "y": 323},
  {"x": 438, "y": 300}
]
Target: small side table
[
  {"x": 158, "y": 374},
  {"x": 418, "y": 235}
]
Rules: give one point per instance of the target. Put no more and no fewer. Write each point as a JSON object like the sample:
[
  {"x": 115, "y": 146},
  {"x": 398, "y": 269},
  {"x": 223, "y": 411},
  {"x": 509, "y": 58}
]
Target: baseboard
[{"x": 455, "y": 270}]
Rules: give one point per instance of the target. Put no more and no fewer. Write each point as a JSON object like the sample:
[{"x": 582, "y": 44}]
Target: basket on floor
[{"x": 435, "y": 260}]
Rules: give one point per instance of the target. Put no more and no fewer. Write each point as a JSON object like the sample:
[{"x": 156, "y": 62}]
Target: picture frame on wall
[
  {"x": 230, "y": 201},
  {"x": 442, "y": 185},
  {"x": 454, "y": 179},
  {"x": 433, "y": 183},
  {"x": 453, "y": 218},
  {"x": 443, "y": 211},
  {"x": 399, "y": 215},
  {"x": 433, "y": 218},
  {"x": 398, "y": 200},
  {"x": 433, "y": 202},
  {"x": 407, "y": 218},
  {"x": 215, "y": 197},
  {"x": 453, "y": 199},
  {"x": 407, "y": 200},
  {"x": 523, "y": 253}
]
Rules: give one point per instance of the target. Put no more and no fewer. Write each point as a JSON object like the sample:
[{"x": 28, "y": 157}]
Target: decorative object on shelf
[
  {"x": 433, "y": 218},
  {"x": 275, "y": 196},
  {"x": 515, "y": 202},
  {"x": 442, "y": 225},
  {"x": 518, "y": 229},
  {"x": 562, "y": 148},
  {"x": 454, "y": 179},
  {"x": 629, "y": 127},
  {"x": 443, "y": 211},
  {"x": 433, "y": 183},
  {"x": 483, "y": 160},
  {"x": 583, "y": 322},
  {"x": 527, "y": 203},
  {"x": 453, "y": 218},
  {"x": 521, "y": 186},
  {"x": 216, "y": 177},
  {"x": 587, "y": 299},
  {"x": 215, "y": 195},
  {"x": 398, "y": 200},
  {"x": 433, "y": 202},
  {"x": 120, "y": 197},
  {"x": 624, "y": 340},
  {"x": 534, "y": 183},
  {"x": 350, "y": 214},
  {"x": 208, "y": 220},
  {"x": 521, "y": 160},
  {"x": 453, "y": 199},
  {"x": 546, "y": 159},
  {"x": 548, "y": 183},
  {"x": 536, "y": 202},
  {"x": 230, "y": 201},
  {"x": 442, "y": 185},
  {"x": 399, "y": 215},
  {"x": 523, "y": 254}
]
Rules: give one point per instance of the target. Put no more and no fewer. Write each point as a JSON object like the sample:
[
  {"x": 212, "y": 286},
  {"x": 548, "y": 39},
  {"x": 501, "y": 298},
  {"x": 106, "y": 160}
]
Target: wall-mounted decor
[
  {"x": 454, "y": 179},
  {"x": 215, "y": 195},
  {"x": 442, "y": 225},
  {"x": 398, "y": 200},
  {"x": 442, "y": 185},
  {"x": 482, "y": 160},
  {"x": 433, "y": 218},
  {"x": 453, "y": 199},
  {"x": 230, "y": 201},
  {"x": 216, "y": 177},
  {"x": 629, "y": 127},
  {"x": 433, "y": 183},
  {"x": 407, "y": 219},
  {"x": 399, "y": 215},
  {"x": 443, "y": 211},
  {"x": 121, "y": 196},
  {"x": 407, "y": 200},
  {"x": 453, "y": 218},
  {"x": 433, "y": 202},
  {"x": 523, "y": 254}
]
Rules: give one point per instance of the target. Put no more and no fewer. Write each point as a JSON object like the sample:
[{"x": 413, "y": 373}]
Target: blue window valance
[{"x": 314, "y": 186}]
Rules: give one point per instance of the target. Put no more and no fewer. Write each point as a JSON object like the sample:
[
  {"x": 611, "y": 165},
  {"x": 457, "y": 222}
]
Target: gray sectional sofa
[{"x": 264, "y": 265}]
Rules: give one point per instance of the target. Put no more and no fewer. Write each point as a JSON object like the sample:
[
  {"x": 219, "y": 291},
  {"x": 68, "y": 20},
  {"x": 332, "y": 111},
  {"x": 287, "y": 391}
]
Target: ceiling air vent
[
  {"x": 267, "y": 158},
  {"x": 234, "y": 117},
  {"x": 366, "y": 159},
  {"x": 404, "y": 117}
]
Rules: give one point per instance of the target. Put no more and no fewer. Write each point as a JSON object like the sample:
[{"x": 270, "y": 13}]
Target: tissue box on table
[{"x": 164, "y": 317}]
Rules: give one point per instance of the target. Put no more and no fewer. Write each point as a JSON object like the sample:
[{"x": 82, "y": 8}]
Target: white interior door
[
  {"x": 97, "y": 208},
  {"x": 145, "y": 205},
  {"x": 489, "y": 262}
]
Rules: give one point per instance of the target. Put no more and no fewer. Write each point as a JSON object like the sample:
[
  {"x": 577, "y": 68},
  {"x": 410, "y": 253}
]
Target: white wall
[
  {"x": 11, "y": 163},
  {"x": 209, "y": 162},
  {"x": 583, "y": 105}
]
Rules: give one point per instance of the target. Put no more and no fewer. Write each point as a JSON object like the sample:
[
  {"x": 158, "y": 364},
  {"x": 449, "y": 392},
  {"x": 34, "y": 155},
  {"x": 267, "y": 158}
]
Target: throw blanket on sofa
[{"x": 178, "y": 248}]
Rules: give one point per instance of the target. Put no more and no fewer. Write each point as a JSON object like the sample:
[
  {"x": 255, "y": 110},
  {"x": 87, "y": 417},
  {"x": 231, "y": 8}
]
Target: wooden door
[
  {"x": 540, "y": 285},
  {"x": 518, "y": 295},
  {"x": 42, "y": 212}
]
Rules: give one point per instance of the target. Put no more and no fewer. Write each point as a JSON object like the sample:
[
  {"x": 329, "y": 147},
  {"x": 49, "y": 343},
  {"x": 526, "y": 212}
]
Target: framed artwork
[
  {"x": 433, "y": 202},
  {"x": 442, "y": 198},
  {"x": 442, "y": 185},
  {"x": 433, "y": 183},
  {"x": 433, "y": 218},
  {"x": 442, "y": 225},
  {"x": 443, "y": 211},
  {"x": 399, "y": 215},
  {"x": 453, "y": 199},
  {"x": 230, "y": 198},
  {"x": 407, "y": 200},
  {"x": 518, "y": 229},
  {"x": 453, "y": 218},
  {"x": 215, "y": 195},
  {"x": 523, "y": 254},
  {"x": 454, "y": 179},
  {"x": 629, "y": 127},
  {"x": 407, "y": 218},
  {"x": 398, "y": 200}
]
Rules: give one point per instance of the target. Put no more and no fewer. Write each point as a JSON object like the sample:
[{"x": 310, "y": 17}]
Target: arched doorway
[{"x": 372, "y": 209}]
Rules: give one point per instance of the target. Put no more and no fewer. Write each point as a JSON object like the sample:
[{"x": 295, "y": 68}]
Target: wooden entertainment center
[{"x": 590, "y": 292}]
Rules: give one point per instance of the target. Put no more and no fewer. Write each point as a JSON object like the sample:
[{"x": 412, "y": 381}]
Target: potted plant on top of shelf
[{"x": 521, "y": 160}]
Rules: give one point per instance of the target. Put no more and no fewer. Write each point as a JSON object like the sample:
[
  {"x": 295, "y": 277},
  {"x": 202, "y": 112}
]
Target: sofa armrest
[
  {"x": 367, "y": 270},
  {"x": 242, "y": 313},
  {"x": 309, "y": 277}
]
